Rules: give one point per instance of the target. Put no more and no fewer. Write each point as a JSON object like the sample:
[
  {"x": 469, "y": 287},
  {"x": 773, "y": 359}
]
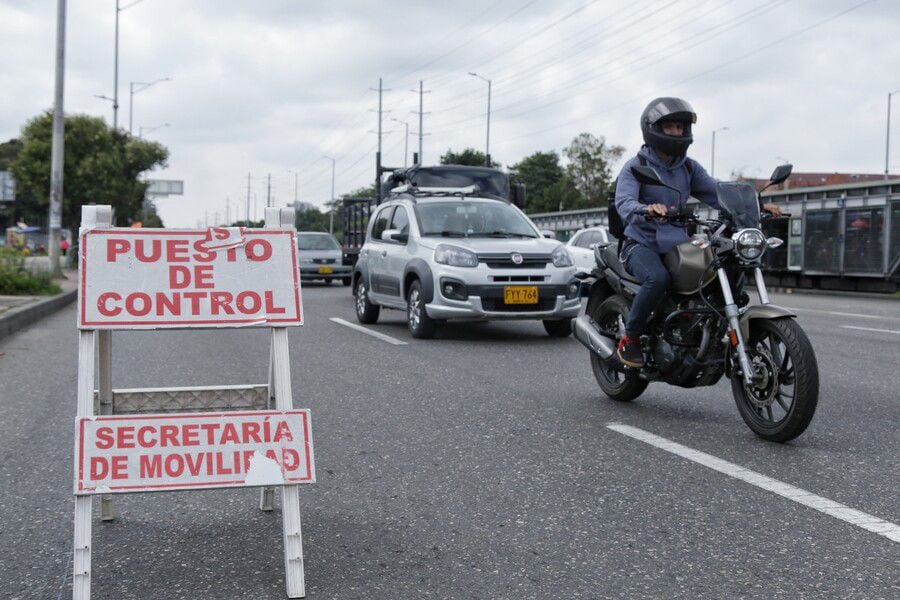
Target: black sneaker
[{"x": 630, "y": 353}]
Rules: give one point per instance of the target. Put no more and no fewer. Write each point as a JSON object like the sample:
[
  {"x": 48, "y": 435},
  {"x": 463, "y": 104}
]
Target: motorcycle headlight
[
  {"x": 561, "y": 258},
  {"x": 455, "y": 256},
  {"x": 749, "y": 243}
]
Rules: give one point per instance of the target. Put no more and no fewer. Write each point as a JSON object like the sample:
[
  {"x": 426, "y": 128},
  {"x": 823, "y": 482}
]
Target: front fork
[{"x": 732, "y": 314}]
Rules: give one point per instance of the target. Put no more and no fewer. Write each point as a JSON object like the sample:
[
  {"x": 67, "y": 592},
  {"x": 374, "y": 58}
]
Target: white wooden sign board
[
  {"x": 164, "y": 278},
  {"x": 177, "y": 278},
  {"x": 189, "y": 451}
]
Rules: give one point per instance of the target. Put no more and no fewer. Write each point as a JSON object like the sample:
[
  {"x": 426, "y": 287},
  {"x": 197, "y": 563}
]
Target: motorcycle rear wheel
[
  {"x": 779, "y": 408},
  {"x": 620, "y": 385}
]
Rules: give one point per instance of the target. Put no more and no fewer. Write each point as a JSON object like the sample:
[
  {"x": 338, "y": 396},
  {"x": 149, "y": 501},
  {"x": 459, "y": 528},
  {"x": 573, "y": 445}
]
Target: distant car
[
  {"x": 581, "y": 247},
  {"x": 321, "y": 258}
]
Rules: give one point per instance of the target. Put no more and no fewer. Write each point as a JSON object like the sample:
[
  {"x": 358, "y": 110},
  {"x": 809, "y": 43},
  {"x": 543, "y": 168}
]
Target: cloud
[{"x": 272, "y": 86}]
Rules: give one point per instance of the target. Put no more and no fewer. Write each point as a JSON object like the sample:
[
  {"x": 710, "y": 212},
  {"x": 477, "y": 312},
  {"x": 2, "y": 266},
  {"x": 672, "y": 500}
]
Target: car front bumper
[{"x": 337, "y": 272}]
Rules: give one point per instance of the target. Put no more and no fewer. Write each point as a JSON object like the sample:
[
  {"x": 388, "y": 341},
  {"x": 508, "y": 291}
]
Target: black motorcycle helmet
[{"x": 667, "y": 110}]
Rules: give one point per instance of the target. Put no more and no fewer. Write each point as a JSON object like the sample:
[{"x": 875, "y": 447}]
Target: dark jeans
[{"x": 647, "y": 267}]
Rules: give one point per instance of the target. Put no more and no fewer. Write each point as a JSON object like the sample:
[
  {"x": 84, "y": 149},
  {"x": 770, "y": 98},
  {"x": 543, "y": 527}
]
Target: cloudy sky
[{"x": 272, "y": 86}]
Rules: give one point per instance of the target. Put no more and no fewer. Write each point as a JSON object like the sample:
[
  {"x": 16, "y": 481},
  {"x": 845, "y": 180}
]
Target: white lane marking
[
  {"x": 380, "y": 336},
  {"x": 835, "y": 509},
  {"x": 871, "y": 329},
  {"x": 841, "y": 314}
]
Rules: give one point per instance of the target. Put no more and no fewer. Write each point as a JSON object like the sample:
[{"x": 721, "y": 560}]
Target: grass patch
[{"x": 16, "y": 280}]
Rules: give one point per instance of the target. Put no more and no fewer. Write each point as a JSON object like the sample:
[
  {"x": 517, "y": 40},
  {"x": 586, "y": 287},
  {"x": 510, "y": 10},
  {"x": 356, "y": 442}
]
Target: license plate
[
  {"x": 326, "y": 270},
  {"x": 520, "y": 294}
]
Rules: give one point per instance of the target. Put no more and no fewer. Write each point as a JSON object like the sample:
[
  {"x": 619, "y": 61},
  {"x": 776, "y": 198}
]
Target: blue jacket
[{"x": 660, "y": 236}]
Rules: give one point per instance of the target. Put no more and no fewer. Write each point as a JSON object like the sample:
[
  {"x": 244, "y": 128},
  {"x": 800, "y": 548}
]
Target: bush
[{"x": 16, "y": 280}]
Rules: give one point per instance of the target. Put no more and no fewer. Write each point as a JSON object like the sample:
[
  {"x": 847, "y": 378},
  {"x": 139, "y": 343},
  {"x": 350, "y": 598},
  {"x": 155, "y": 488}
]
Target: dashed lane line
[
  {"x": 375, "y": 334},
  {"x": 894, "y": 331},
  {"x": 834, "y": 509}
]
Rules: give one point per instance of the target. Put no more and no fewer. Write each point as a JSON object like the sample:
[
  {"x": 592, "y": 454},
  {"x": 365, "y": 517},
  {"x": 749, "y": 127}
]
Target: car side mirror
[
  {"x": 780, "y": 174},
  {"x": 592, "y": 246},
  {"x": 646, "y": 175},
  {"x": 394, "y": 235},
  {"x": 549, "y": 234}
]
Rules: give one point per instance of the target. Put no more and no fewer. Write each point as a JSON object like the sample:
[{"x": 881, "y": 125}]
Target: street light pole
[
  {"x": 150, "y": 129},
  {"x": 331, "y": 212},
  {"x": 887, "y": 136},
  {"x": 57, "y": 146},
  {"x": 712, "y": 162},
  {"x": 132, "y": 92},
  {"x": 116, "y": 72},
  {"x": 487, "y": 144}
]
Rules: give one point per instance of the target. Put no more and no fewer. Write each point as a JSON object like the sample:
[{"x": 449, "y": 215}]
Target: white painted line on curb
[
  {"x": 871, "y": 329},
  {"x": 835, "y": 509},
  {"x": 380, "y": 336}
]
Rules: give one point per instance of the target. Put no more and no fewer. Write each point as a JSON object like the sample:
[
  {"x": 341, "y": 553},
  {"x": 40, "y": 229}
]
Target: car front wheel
[
  {"x": 419, "y": 323},
  {"x": 366, "y": 312}
]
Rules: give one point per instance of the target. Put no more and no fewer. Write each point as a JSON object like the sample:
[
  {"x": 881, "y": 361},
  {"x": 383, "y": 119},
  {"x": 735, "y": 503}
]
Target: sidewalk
[{"x": 17, "y": 312}]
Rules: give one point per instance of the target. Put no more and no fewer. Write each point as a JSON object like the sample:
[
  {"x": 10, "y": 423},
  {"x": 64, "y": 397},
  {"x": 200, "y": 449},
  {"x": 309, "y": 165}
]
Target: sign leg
[
  {"x": 81, "y": 561},
  {"x": 290, "y": 494},
  {"x": 267, "y": 494},
  {"x": 293, "y": 542},
  {"x": 104, "y": 386}
]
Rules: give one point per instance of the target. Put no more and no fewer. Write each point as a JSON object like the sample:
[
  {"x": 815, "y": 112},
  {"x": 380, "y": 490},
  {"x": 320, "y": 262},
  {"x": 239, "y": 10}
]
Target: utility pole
[
  {"x": 269, "y": 191},
  {"x": 422, "y": 93},
  {"x": 247, "y": 223},
  {"x": 116, "y": 74},
  {"x": 405, "y": 141},
  {"x": 57, "y": 147},
  {"x": 331, "y": 212},
  {"x": 227, "y": 211},
  {"x": 296, "y": 188}
]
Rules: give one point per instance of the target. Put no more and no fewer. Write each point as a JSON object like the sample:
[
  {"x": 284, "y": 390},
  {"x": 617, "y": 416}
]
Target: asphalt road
[{"x": 476, "y": 465}]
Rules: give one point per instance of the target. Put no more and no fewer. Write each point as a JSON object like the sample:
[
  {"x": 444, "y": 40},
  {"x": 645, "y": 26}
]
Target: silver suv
[{"x": 442, "y": 254}]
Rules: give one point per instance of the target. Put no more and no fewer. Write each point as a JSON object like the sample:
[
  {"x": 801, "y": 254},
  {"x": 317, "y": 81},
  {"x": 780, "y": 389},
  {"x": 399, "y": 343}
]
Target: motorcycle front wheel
[
  {"x": 780, "y": 406},
  {"x": 610, "y": 315}
]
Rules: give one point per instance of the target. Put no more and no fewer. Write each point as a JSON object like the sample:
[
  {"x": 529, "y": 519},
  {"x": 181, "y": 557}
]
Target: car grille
[
  {"x": 497, "y": 305},
  {"x": 324, "y": 261},
  {"x": 504, "y": 261}
]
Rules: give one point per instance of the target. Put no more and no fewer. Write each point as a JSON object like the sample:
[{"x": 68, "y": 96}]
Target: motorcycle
[{"x": 702, "y": 331}]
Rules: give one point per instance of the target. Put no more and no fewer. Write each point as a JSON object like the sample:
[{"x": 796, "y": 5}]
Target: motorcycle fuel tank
[{"x": 687, "y": 263}]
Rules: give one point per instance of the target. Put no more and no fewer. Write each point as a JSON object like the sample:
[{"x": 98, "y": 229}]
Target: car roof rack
[{"x": 413, "y": 191}]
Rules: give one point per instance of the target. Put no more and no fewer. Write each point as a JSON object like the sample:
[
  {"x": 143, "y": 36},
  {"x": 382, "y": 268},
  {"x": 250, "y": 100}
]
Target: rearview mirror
[
  {"x": 646, "y": 175},
  {"x": 781, "y": 173}
]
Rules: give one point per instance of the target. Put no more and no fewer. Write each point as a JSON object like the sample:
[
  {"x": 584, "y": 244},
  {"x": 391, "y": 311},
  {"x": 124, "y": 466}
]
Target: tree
[
  {"x": 590, "y": 166},
  {"x": 547, "y": 186},
  {"x": 469, "y": 157},
  {"x": 101, "y": 166},
  {"x": 8, "y": 153}
]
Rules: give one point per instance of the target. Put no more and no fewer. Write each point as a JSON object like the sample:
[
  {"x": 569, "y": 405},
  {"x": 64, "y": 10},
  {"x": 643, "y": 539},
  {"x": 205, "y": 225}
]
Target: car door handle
[{"x": 384, "y": 252}]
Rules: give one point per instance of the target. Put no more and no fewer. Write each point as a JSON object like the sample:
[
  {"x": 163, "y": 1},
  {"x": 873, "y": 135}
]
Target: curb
[{"x": 19, "y": 318}]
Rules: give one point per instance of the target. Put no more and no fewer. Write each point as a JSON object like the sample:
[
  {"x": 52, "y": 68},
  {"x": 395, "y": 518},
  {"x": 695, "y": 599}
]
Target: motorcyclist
[{"x": 666, "y": 128}]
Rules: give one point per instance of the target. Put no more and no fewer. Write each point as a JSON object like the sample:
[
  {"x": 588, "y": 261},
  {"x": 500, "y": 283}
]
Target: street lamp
[
  {"x": 487, "y": 144},
  {"x": 405, "y": 140},
  {"x": 116, "y": 62},
  {"x": 712, "y": 162},
  {"x": 133, "y": 91},
  {"x": 331, "y": 212},
  {"x": 887, "y": 136},
  {"x": 152, "y": 128}
]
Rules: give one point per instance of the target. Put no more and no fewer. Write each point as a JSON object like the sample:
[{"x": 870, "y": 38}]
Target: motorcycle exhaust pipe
[{"x": 585, "y": 332}]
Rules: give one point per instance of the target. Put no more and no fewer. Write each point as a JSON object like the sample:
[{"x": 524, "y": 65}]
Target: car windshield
[
  {"x": 472, "y": 218},
  {"x": 316, "y": 241},
  {"x": 739, "y": 203},
  {"x": 488, "y": 182}
]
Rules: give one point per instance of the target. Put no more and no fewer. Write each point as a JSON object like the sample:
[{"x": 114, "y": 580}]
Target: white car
[{"x": 581, "y": 247}]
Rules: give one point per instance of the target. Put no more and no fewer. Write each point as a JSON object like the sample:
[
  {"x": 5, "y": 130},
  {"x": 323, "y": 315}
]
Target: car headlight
[
  {"x": 455, "y": 256},
  {"x": 749, "y": 243},
  {"x": 561, "y": 258}
]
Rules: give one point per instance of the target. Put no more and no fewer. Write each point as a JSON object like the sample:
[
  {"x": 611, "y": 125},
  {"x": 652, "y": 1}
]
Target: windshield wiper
[
  {"x": 506, "y": 234},
  {"x": 451, "y": 233}
]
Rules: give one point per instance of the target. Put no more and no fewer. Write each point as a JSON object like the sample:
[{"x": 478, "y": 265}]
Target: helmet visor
[{"x": 671, "y": 109}]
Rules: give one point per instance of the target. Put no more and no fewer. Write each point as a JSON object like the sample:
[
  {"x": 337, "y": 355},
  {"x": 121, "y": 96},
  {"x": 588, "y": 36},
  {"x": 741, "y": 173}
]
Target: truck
[{"x": 355, "y": 212}]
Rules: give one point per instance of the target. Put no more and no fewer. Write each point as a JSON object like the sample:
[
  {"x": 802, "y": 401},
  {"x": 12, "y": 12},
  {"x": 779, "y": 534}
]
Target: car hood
[{"x": 492, "y": 245}]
